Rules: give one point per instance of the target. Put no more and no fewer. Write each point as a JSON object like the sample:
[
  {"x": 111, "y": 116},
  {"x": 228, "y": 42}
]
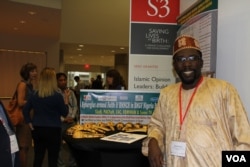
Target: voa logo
[{"x": 236, "y": 158}]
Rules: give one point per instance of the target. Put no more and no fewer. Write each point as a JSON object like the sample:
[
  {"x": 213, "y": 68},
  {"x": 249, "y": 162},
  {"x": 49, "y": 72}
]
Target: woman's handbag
[{"x": 14, "y": 111}]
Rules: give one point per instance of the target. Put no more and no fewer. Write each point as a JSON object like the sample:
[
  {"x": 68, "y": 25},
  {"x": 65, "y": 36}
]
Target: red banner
[{"x": 161, "y": 11}]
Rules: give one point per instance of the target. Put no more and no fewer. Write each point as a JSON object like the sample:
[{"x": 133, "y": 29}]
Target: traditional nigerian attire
[{"x": 215, "y": 121}]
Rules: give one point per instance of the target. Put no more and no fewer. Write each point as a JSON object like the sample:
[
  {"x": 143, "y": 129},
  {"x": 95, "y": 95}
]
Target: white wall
[{"x": 233, "y": 49}]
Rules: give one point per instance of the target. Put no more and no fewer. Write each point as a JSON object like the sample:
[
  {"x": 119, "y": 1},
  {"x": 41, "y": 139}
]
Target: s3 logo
[{"x": 161, "y": 10}]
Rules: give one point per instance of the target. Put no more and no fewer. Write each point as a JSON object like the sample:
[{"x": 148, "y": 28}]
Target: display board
[
  {"x": 204, "y": 28},
  {"x": 152, "y": 33},
  {"x": 117, "y": 106},
  {"x": 195, "y": 8}
]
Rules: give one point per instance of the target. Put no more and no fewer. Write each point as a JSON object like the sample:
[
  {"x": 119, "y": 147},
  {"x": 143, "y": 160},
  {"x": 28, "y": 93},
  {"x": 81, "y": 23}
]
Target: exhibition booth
[{"x": 111, "y": 129}]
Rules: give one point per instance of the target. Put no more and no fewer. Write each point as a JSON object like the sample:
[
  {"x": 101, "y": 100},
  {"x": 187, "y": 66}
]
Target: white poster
[{"x": 150, "y": 72}]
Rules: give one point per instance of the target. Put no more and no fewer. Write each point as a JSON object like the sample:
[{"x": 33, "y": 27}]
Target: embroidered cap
[{"x": 185, "y": 42}]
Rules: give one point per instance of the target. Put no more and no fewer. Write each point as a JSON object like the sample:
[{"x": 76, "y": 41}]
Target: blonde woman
[{"x": 48, "y": 106}]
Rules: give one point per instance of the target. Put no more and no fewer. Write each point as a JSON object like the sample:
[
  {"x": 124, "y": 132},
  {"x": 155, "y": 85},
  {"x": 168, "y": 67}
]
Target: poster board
[
  {"x": 204, "y": 28},
  {"x": 153, "y": 28},
  {"x": 117, "y": 106}
]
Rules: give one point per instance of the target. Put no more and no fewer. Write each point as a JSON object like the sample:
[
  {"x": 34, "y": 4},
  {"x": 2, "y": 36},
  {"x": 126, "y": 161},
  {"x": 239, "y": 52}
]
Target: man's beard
[{"x": 189, "y": 81}]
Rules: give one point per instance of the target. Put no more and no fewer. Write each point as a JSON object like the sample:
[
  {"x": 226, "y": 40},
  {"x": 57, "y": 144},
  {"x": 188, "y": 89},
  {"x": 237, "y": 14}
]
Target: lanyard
[{"x": 189, "y": 103}]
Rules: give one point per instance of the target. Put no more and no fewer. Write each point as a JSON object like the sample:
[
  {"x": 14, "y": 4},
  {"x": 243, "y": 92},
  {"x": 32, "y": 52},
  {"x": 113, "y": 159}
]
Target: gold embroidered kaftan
[{"x": 216, "y": 121}]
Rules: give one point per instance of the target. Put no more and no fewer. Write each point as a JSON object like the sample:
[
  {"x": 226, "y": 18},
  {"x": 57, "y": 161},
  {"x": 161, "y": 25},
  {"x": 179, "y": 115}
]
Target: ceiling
[{"x": 39, "y": 21}]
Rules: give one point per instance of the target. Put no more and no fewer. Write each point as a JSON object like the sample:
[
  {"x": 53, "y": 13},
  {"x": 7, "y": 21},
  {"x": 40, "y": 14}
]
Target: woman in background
[
  {"x": 25, "y": 88},
  {"x": 48, "y": 106},
  {"x": 114, "y": 80}
]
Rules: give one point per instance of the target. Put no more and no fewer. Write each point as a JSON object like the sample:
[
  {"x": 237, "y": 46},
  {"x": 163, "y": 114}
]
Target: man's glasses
[{"x": 181, "y": 59}]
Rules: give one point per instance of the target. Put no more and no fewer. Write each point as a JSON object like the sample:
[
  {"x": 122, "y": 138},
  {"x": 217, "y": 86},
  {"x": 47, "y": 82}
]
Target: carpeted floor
[
  {"x": 31, "y": 158},
  {"x": 45, "y": 162}
]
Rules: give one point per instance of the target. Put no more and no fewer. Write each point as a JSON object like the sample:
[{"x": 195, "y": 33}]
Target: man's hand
[
  {"x": 155, "y": 156},
  {"x": 67, "y": 92}
]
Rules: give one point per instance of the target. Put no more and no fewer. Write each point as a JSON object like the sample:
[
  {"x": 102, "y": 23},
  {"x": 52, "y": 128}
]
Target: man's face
[
  {"x": 62, "y": 82},
  {"x": 187, "y": 64}
]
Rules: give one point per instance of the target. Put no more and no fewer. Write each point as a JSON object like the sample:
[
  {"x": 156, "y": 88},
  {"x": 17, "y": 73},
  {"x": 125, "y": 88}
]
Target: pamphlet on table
[{"x": 124, "y": 137}]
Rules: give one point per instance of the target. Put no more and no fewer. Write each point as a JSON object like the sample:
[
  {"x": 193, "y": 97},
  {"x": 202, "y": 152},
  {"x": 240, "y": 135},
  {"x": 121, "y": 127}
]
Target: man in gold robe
[{"x": 196, "y": 119}]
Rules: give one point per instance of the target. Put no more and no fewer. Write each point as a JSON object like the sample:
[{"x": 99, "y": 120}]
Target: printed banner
[
  {"x": 117, "y": 106},
  {"x": 204, "y": 28},
  {"x": 164, "y": 11},
  {"x": 154, "y": 39},
  {"x": 153, "y": 29},
  {"x": 199, "y": 7},
  {"x": 151, "y": 74}
]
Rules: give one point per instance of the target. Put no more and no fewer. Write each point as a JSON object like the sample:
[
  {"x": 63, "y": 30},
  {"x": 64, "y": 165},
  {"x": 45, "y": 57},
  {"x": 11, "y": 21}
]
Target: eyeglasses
[{"x": 181, "y": 59}]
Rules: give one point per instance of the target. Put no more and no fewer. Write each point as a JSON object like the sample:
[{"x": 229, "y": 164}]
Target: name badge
[
  {"x": 13, "y": 144},
  {"x": 178, "y": 148}
]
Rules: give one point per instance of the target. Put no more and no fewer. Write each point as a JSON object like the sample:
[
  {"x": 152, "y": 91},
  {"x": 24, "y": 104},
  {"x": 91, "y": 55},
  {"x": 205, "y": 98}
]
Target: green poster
[{"x": 117, "y": 106}]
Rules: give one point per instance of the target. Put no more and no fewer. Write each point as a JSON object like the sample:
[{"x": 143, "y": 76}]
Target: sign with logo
[
  {"x": 117, "y": 106},
  {"x": 153, "y": 28},
  {"x": 161, "y": 11},
  {"x": 235, "y": 158}
]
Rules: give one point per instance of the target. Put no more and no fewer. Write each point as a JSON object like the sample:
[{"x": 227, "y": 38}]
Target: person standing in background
[
  {"x": 91, "y": 82},
  {"x": 25, "y": 88},
  {"x": 197, "y": 118},
  {"x": 97, "y": 83},
  {"x": 67, "y": 121},
  {"x": 79, "y": 85},
  {"x": 48, "y": 106},
  {"x": 9, "y": 153},
  {"x": 114, "y": 80},
  {"x": 89, "y": 86}
]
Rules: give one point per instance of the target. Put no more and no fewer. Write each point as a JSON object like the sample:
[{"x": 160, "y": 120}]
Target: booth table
[{"x": 93, "y": 152}]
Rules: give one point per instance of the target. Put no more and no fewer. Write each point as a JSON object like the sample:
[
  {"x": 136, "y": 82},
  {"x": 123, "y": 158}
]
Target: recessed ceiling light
[
  {"x": 122, "y": 48},
  {"x": 113, "y": 51},
  {"x": 80, "y": 55},
  {"x": 31, "y": 13},
  {"x": 81, "y": 45},
  {"x": 22, "y": 21},
  {"x": 79, "y": 49}
]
